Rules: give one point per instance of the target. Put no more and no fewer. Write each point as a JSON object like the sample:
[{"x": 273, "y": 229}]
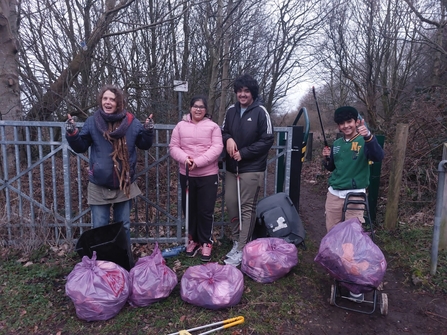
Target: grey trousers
[{"x": 250, "y": 184}]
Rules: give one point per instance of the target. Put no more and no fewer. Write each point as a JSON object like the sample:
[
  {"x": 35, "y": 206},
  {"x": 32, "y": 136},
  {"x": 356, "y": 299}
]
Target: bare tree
[
  {"x": 290, "y": 45},
  {"x": 64, "y": 77},
  {"x": 431, "y": 32},
  {"x": 367, "y": 51},
  {"x": 69, "y": 49}
]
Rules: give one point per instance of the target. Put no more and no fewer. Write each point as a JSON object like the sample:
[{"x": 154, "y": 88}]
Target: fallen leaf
[{"x": 177, "y": 265}]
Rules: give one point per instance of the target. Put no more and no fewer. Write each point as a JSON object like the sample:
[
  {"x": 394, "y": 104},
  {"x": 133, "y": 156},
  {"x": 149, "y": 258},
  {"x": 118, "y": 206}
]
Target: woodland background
[{"x": 385, "y": 57}]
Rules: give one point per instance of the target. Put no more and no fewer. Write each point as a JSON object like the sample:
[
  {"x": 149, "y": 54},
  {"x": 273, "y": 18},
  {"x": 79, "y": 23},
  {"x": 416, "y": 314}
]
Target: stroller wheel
[
  {"x": 383, "y": 304},
  {"x": 332, "y": 298}
]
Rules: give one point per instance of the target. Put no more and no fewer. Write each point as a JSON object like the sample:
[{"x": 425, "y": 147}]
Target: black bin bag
[
  {"x": 278, "y": 217},
  {"x": 110, "y": 243}
]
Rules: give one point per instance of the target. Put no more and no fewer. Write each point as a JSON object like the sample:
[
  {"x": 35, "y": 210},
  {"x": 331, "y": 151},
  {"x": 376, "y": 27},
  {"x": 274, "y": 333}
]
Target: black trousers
[{"x": 202, "y": 199}]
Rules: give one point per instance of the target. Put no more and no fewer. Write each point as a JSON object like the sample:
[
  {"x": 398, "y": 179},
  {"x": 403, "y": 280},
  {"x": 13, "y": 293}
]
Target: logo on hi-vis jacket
[{"x": 355, "y": 149}]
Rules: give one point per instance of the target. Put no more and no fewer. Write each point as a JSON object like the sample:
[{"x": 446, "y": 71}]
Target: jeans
[{"x": 121, "y": 213}]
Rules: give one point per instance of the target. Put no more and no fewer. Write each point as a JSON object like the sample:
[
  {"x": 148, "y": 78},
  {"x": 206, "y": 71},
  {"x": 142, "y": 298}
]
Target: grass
[
  {"x": 34, "y": 301},
  {"x": 409, "y": 249},
  {"x": 29, "y": 293}
]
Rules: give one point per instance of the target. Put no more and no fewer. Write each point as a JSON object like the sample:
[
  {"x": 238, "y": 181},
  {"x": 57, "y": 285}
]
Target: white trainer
[
  {"x": 233, "y": 250},
  {"x": 234, "y": 260}
]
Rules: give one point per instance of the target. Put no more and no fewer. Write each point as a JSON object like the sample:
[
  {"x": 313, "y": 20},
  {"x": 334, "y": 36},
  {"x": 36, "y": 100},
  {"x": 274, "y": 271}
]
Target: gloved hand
[
  {"x": 149, "y": 124},
  {"x": 70, "y": 125}
]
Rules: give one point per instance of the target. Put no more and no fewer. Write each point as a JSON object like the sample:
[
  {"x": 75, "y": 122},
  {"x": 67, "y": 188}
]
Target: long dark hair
[{"x": 119, "y": 97}]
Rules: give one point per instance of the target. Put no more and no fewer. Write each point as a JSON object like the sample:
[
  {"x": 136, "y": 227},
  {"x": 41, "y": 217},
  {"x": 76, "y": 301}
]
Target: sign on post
[{"x": 180, "y": 86}]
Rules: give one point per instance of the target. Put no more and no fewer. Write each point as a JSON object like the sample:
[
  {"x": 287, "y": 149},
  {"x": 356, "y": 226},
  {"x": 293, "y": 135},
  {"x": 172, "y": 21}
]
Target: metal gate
[{"x": 43, "y": 186}]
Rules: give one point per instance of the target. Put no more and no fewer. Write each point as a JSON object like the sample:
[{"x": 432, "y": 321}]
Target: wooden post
[
  {"x": 443, "y": 228},
  {"x": 398, "y": 159}
]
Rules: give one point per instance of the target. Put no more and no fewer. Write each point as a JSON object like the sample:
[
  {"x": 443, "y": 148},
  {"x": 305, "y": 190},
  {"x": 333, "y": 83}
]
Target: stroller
[{"x": 364, "y": 278}]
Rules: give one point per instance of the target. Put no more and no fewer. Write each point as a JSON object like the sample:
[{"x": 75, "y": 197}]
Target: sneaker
[
  {"x": 357, "y": 297},
  {"x": 236, "y": 259},
  {"x": 206, "y": 252},
  {"x": 233, "y": 250},
  {"x": 192, "y": 248}
]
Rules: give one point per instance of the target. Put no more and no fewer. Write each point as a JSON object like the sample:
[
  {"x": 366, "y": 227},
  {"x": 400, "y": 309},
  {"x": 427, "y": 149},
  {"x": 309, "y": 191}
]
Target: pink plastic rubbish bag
[
  {"x": 349, "y": 254},
  {"x": 212, "y": 285},
  {"x": 268, "y": 259},
  {"x": 151, "y": 280},
  {"x": 98, "y": 289}
]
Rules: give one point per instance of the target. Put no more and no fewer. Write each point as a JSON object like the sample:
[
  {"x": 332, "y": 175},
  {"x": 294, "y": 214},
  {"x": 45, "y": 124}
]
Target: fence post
[
  {"x": 440, "y": 220},
  {"x": 443, "y": 230},
  {"x": 399, "y": 145},
  {"x": 374, "y": 183},
  {"x": 296, "y": 165},
  {"x": 281, "y": 164}
]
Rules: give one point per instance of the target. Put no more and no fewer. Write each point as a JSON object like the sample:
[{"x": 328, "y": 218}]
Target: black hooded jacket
[{"x": 253, "y": 134}]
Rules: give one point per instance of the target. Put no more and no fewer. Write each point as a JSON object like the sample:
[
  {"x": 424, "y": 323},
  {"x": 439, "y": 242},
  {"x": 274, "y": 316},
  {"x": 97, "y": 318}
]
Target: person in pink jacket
[{"x": 196, "y": 144}]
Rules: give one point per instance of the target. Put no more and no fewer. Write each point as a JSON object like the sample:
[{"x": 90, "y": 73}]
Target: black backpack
[{"x": 278, "y": 217}]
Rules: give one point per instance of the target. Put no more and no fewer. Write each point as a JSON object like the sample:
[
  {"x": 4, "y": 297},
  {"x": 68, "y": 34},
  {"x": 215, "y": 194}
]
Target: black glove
[
  {"x": 70, "y": 126},
  {"x": 149, "y": 124}
]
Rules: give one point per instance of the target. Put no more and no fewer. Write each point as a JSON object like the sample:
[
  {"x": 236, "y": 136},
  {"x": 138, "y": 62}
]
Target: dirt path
[{"x": 409, "y": 311}]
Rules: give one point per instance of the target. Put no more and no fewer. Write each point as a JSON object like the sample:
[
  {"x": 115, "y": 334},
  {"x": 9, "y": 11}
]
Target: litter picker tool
[
  {"x": 187, "y": 205},
  {"x": 238, "y": 182},
  {"x": 321, "y": 122},
  {"x": 223, "y": 325},
  {"x": 319, "y": 116}
]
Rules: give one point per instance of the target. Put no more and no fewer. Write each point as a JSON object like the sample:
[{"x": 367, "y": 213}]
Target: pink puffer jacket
[{"x": 201, "y": 141}]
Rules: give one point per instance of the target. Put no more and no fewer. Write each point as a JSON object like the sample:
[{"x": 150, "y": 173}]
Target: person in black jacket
[
  {"x": 113, "y": 135},
  {"x": 247, "y": 134}
]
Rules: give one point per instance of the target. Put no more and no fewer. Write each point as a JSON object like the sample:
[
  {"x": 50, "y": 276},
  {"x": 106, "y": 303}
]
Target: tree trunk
[
  {"x": 215, "y": 50},
  {"x": 9, "y": 75},
  {"x": 225, "y": 67},
  {"x": 58, "y": 90}
]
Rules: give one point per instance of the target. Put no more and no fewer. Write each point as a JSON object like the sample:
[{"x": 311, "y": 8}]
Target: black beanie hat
[{"x": 345, "y": 113}]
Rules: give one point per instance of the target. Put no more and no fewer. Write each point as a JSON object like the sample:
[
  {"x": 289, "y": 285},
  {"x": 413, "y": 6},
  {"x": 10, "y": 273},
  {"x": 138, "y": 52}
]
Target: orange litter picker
[{"x": 224, "y": 325}]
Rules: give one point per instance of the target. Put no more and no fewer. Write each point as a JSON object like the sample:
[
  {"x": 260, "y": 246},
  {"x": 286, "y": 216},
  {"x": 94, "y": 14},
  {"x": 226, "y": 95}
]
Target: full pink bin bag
[{"x": 98, "y": 289}]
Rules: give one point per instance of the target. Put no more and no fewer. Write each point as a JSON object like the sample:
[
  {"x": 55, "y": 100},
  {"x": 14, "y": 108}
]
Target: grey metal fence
[{"x": 43, "y": 186}]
